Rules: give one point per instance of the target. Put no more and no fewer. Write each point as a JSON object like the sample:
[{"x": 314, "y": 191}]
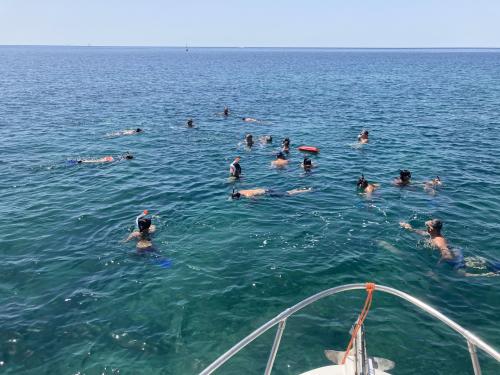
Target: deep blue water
[{"x": 74, "y": 299}]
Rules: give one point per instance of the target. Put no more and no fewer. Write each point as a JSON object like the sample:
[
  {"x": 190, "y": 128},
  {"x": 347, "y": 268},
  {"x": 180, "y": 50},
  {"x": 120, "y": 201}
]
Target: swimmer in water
[
  {"x": 190, "y": 123},
  {"x": 266, "y": 139},
  {"x": 143, "y": 234},
  {"x": 285, "y": 145},
  {"x": 252, "y": 193},
  {"x": 363, "y": 136},
  {"x": 307, "y": 164},
  {"x": 226, "y": 111},
  {"x": 249, "y": 140},
  {"x": 249, "y": 119},
  {"x": 235, "y": 168},
  {"x": 366, "y": 187},
  {"x": 404, "y": 178},
  {"x": 432, "y": 185},
  {"x": 281, "y": 160},
  {"x": 127, "y": 132},
  {"x": 450, "y": 255},
  {"x": 106, "y": 159}
]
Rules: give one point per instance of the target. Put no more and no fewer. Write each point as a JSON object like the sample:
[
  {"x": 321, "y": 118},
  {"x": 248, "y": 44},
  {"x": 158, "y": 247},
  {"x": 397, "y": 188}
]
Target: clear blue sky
[{"x": 308, "y": 23}]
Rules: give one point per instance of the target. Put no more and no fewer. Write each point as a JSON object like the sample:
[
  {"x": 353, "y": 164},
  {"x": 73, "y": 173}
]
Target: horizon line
[{"x": 230, "y": 47}]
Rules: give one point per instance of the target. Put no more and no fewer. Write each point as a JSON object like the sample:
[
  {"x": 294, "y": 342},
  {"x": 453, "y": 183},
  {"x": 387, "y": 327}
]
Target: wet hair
[
  {"x": 144, "y": 224},
  {"x": 364, "y": 132},
  {"x": 307, "y": 162},
  {"x": 129, "y": 157},
  {"x": 286, "y": 142},
  {"x": 436, "y": 224},
  {"x": 280, "y": 155},
  {"x": 404, "y": 175},
  {"x": 269, "y": 138},
  {"x": 138, "y": 130},
  {"x": 362, "y": 183}
]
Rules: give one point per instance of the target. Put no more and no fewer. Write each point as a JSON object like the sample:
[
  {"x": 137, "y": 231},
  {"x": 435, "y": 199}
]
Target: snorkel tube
[{"x": 144, "y": 213}]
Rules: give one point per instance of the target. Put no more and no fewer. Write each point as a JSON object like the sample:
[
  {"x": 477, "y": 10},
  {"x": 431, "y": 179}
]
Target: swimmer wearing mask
[
  {"x": 249, "y": 140},
  {"x": 143, "y": 233},
  {"x": 190, "y": 123},
  {"x": 235, "y": 168},
  {"x": 452, "y": 256},
  {"x": 249, "y": 119},
  {"x": 366, "y": 187},
  {"x": 266, "y": 139},
  {"x": 363, "y": 136},
  {"x": 281, "y": 160},
  {"x": 127, "y": 132},
  {"x": 252, "y": 193},
  {"x": 404, "y": 178},
  {"x": 307, "y": 164}
]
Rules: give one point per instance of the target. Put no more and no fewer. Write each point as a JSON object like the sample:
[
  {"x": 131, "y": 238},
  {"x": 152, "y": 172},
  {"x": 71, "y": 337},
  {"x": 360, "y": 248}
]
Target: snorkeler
[
  {"x": 431, "y": 186},
  {"x": 249, "y": 119},
  {"x": 106, "y": 159},
  {"x": 249, "y": 140},
  {"x": 190, "y": 123},
  {"x": 280, "y": 161},
  {"x": 143, "y": 234},
  {"x": 366, "y": 187},
  {"x": 307, "y": 164},
  {"x": 251, "y": 193},
  {"x": 450, "y": 255},
  {"x": 127, "y": 132},
  {"x": 226, "y": 111},
  {"x": 235, "y": 168},
  {"x": 363, "y": 136},
  {"x": 404, "y": 178},
  {"x": 285, "y": 144},
  {"x": 266, "y": 139}
]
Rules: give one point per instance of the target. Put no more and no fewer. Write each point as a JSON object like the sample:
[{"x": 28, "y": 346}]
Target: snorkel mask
[{"x": 235, "y": 195}]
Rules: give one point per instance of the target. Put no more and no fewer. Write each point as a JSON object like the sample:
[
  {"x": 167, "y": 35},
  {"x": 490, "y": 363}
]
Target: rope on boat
[{"x": 370, "y": 287}]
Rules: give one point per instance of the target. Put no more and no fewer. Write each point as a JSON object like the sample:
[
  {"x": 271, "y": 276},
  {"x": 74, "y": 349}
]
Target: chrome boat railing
[{"x": 473, "y": 341}]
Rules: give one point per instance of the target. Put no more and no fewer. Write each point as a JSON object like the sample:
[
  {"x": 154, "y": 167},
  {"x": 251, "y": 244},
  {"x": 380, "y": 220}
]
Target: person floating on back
[
  {"x": 280, "y": 161},
  {"x": 266, "y": 139},
  {"x": 249, "y": 119},
  {"x": 235, "y": 168},
  {"x": 190, "y": 123},
  {"x": 404, "y": 178},
  {"x": 366, "y": 187},
  {"x": 143, "y": 233},
  {"x": 127, "y": 132},
  {"x": 249, "y": 140},
  {"x": 452, "y": 256},
  {"x": 363, "y": 136},
  {"x": 251, "y": 193}
]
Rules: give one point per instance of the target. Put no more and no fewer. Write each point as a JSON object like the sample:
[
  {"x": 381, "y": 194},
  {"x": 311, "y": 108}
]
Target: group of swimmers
[{"x": 452, "y": 256}]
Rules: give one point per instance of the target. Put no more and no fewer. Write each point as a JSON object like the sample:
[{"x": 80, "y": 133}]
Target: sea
[{"x": 76, "y": 299}]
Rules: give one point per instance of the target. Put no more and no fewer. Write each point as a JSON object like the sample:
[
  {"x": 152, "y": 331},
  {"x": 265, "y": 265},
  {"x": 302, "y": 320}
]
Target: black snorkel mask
[{"x": 235, "y": 195}]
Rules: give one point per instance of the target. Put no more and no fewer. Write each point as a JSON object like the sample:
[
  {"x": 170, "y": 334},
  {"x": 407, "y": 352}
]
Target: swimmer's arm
[
  {"x": 411, "y": 229},
  {"x": 132, "y": 235}
]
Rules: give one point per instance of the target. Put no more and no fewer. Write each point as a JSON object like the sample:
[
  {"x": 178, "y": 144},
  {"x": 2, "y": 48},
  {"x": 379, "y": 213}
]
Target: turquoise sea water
[{"x": 74, "y": 299}]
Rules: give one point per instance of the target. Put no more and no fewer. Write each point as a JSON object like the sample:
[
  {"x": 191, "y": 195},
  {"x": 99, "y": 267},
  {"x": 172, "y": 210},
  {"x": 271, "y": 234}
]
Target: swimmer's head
[
  {"x": 269, "y": 139},
  {"x": 237, "y": 159},
  {"x": 364, "y": 132},
  {"x": 144, "y": 224},
  {"x": 280, "y": 155},
  {"x": 434, "y": 225},
  {"x": 127, "y": 156},
  {"x": 307, "y": 162},
  {"x": 138, "y": 130},
  {"x": 405, "y": 175},
  {"x": 362, "y": 183},
  {"x": 235, "y": 195}
]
